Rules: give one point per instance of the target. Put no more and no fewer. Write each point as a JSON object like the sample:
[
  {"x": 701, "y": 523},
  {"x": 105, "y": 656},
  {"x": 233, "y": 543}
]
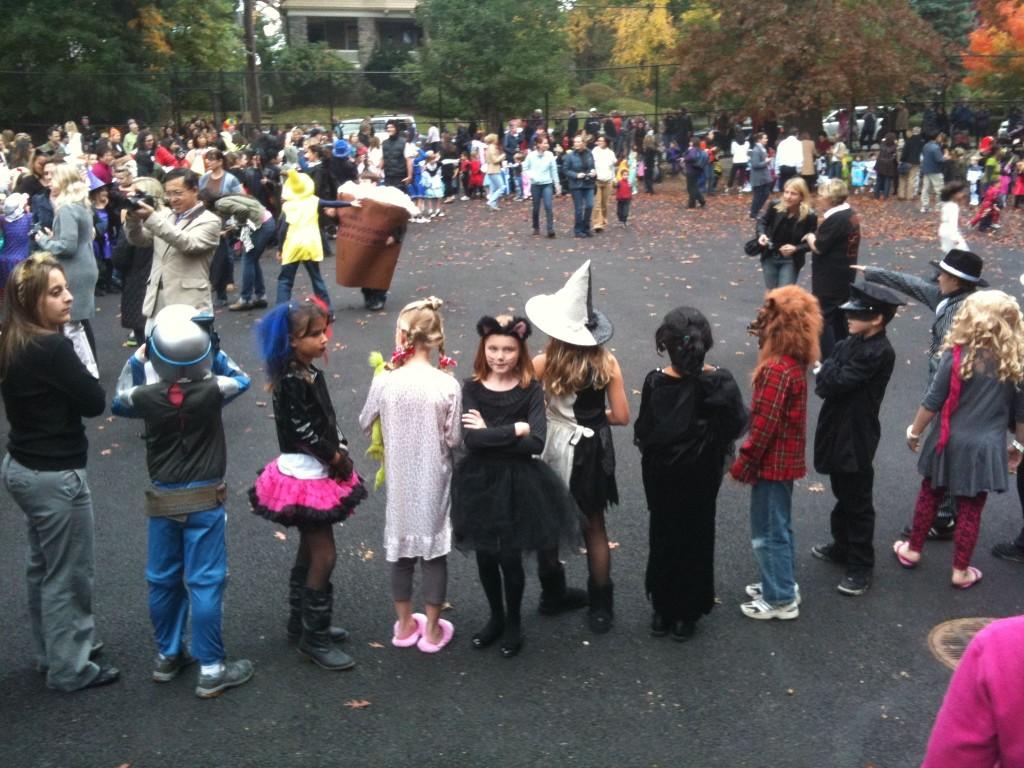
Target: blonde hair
[
  {"x": 70, "y": 127},
  {"x": 989, "y": 326},
  {"x": 69, "y": 185},
  {"x": 569, "y": 368},
  {"x": 422, "y": 325},
  {"x": 835, "y": 191},
  {"x": 805, "y": 194},
  {"x": 491, "y": 138}
]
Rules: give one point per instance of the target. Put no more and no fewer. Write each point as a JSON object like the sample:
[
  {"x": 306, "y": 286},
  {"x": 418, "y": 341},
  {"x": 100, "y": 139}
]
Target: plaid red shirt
[{"x": 774, "y": 449}]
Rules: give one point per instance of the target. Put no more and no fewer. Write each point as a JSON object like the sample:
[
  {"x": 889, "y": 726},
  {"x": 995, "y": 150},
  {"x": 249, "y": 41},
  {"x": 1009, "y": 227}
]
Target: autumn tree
[
  {"x": 497, "y": 57},
  {"x": 953, "y": 19},
  {"x": 994, "y": 62},
  {"x": 645, "y": 34},
  {"x": 800, "y": 59}
]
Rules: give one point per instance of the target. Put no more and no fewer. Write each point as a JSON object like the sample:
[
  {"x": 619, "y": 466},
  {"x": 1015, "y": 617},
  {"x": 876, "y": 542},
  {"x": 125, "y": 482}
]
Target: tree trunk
[{"x": 809, "y": 120}]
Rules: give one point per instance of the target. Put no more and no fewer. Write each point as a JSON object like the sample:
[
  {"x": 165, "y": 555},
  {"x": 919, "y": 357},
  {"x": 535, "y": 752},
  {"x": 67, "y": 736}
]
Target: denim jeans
[
  {"x": 252, "y": 273},
  {"x": 186, "y": 568},
  {"x": 778, "y": 271},
  {"x": 583, "y": 204},
  {"x": 286, "y": 279},
  {"x": 761, "y": 193},
  {"x": 883, "y": 186},
  {"x": 543, "y": 193},
  {"x": 495, "y": 188},
  {"x": 772, "y": 538}
]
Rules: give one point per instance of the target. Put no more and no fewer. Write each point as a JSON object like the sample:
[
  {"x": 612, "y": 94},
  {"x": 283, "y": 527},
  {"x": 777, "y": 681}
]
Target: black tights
[
  {"x": 317, "y": 554},
  {"x": 505, "y": 602}
]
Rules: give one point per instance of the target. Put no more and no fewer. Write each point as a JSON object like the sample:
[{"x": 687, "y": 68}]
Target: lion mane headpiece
[{"x": 788, "y": 324}]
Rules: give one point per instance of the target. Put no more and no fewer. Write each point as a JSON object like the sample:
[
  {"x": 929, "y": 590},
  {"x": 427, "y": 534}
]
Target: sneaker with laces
[
  {"x": 755, "y": 591},
  {"x": 1008, "y": 550},
  {"x": 233, "y": 673},
  {"x": 759, "y": 609},
  {"x": 828, "y": 553},
  {"x": 168, "y": 667},
  {"x": 854, "y": 584}
]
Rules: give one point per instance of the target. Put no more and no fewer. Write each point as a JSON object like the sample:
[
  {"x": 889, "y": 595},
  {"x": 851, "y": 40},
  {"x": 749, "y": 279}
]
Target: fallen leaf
[
  {"x": 816, "y": 488},
  {"x": 357, "y": 703},
  {"x": 613, "y": 545},
  {"x": 280, "y": 535},
  {"x": 376, "y": 645},
  {"x": 106, "y": 452},
  {"x": 261, "y": 403}
]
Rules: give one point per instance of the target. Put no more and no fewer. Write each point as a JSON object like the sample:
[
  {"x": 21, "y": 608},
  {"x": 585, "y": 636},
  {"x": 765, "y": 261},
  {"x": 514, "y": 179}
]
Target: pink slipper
[
  {"x": 906, "y": 562},
  {"x": 414, "y": 636},
  {"x": 447, "y": 630},
  {"x": 975, "y": 572}
]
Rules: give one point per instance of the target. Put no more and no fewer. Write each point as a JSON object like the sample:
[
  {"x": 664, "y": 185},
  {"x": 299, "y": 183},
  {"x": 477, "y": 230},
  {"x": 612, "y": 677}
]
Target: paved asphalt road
[{"x": 851, "y": 683}]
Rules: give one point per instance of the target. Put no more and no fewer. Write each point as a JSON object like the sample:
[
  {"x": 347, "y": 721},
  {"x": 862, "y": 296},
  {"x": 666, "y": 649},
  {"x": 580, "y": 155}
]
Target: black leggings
[{"x": 492, "y": 567}]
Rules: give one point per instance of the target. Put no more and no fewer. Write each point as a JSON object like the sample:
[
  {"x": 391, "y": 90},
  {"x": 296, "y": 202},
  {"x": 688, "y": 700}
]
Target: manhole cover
[{"x": 949, "y": 640}]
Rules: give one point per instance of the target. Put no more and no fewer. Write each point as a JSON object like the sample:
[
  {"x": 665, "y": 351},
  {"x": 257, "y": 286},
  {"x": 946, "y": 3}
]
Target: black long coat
[
  {"x": 134, "y": 263},
  {"x": 852, "y": 382}
]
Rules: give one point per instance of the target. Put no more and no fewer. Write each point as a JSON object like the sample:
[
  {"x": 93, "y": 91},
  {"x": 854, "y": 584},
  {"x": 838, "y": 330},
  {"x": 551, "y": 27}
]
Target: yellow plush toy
[
  {"x": 376, "y": 449},
  {"x": 300, "y": 206}
]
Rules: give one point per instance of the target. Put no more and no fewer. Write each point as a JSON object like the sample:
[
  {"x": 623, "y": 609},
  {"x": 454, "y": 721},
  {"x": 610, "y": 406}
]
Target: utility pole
[{"x": 252, "y": 80}]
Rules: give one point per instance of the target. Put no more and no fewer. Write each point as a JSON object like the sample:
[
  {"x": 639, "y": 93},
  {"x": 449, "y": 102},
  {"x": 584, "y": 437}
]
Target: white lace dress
[{"x": 420, "y": 409}]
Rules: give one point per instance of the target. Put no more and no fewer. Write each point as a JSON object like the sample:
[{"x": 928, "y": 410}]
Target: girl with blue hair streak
[{"x": 311, "y": 485}]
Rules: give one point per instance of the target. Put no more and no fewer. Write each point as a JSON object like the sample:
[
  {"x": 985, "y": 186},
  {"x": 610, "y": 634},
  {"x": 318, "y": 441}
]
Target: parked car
[
  {"x": 831, "y": 122},
  {"x": 406, "y": 124}
]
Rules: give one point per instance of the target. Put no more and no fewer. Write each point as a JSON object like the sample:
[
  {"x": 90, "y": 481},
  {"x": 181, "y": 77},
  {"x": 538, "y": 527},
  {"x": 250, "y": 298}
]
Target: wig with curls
[
  {"x": 788, "y": 324},
  {"x": 988, "y": 329}
]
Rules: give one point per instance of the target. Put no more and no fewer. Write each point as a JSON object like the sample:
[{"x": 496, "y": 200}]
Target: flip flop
[
  {"x": 904, "y": 561},
  {"x": 975, "y": 572},
  {"x": 413, "y": 637},
  {"x": 447, "y": 631}
]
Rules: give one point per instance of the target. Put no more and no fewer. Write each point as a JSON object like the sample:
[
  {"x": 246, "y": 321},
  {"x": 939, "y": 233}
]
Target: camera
[{"x": 140, "y": 198}]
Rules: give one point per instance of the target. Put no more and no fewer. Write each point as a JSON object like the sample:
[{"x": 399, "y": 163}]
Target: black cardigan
[{"x": 786, "y": 230}]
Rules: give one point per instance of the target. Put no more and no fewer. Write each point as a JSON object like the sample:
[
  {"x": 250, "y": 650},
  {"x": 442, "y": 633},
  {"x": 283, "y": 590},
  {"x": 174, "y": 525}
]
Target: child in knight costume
[{"x": 178, "y": 383}]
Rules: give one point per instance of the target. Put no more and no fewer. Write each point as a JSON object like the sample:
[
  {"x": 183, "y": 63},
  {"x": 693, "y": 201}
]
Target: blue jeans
[
  {"x": 187, "y": 566},
  {"x": 495, "y": 188},
  {"x": 583, "y": 203},
  {"x": 543, "y": 193},
  {"x": 252, "y": 273},
  {"x": 286, "y": 279},
  {"x": 883, "y": 186},
  {"x": 778, "y": 271},
  {"x": 772, "y": 538}
]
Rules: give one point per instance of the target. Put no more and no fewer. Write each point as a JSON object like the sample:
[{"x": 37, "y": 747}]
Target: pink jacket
[{"x": 981, "y": 722}]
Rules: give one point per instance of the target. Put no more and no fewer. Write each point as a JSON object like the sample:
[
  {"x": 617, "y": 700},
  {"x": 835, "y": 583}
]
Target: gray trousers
[
  {"x": 58, "y": 509},
  {"x": 435, "y": 579}
]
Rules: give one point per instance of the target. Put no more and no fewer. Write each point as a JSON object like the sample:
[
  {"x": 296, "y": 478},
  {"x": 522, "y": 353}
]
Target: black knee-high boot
[
  {"x": 296, "y": 584},
  {"x": 315, "y": 643},
  {"x": 490, "y": 579},
  {"x": 555, "y": 596},
  {"x": 602, "y": 614}
]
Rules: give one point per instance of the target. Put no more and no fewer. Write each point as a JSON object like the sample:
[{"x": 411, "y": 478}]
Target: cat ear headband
[{"x": 518, "y": 326}]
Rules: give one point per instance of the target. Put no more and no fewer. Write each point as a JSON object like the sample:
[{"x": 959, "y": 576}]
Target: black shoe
[
  {"x": 1008, "y": 550},
  {"x": 828, "y": 553},
  {"x": 551, "y": 234},
  {"x": 492, "y": 630},
  {"x": 375, "y": 304},
  {"x": 512, "y": 641},
  {"x": 315, "y": 642},
  {"x": 855, "y": 584},
  {"x": 941, "y": 532},
  {"x": 106, "y": 676},
  {"x": 659, "y": 625},
  {"x": 683, "y": 630},
  {"x": 296, "y": 583},
  {"x": 536, "y": 233}
]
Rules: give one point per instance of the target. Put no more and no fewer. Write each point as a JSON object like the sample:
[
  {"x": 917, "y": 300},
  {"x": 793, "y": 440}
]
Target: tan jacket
[
  {"x": 181, "y": 258},
  {"x": 493, "y": 157}
]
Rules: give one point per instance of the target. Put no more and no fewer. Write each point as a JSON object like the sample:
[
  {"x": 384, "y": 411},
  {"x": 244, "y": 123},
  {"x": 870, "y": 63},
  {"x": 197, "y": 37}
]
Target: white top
[
  {"x": 420, "y": 410},
  {"x": 949, "y": 229},
  {"x": 604, "y": 163},
  {"x": 789, "y": 153},
  {"x": 740, "y": 152}
]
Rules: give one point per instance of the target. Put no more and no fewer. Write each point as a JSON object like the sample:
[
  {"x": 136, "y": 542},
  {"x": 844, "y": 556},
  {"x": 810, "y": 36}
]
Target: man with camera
[{"x": 183, "y": 237}]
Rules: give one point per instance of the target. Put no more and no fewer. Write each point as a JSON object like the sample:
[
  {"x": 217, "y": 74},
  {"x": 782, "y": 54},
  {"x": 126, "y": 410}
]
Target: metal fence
[{"x": 33, "y": 101}]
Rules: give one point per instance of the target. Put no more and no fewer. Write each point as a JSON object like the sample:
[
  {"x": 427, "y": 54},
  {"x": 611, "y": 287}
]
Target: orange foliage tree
[{"x": 995, "y": 51}]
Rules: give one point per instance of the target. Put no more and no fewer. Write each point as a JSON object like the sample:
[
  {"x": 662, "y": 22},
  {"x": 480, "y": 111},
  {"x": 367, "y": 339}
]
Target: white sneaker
[
  {"x": 756, "y": 592},
  {"x": 464, "y": 198},
  {"x": 759, "y": 609}
]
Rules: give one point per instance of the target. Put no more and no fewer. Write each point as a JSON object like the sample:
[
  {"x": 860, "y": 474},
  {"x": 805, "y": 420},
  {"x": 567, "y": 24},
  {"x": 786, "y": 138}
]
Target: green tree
[
  {"x": 497, "y": 57},
  {"x": 953, "y": 19},
  {"x": 302, "y": 74}
]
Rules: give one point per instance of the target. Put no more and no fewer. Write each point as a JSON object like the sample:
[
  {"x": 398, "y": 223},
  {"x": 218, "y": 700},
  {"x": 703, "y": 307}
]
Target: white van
[{"x": 349, "y": 126}]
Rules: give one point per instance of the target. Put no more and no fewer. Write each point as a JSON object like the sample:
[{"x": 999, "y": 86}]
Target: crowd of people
[{"x": 536, "y": 472}]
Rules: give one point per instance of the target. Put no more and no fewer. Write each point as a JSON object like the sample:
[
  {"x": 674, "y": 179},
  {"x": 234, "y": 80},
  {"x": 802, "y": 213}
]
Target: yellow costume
[{"x": 300, "y": 206}]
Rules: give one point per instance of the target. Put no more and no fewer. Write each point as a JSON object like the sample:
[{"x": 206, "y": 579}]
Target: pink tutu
[{"x": 290, "y": 501}]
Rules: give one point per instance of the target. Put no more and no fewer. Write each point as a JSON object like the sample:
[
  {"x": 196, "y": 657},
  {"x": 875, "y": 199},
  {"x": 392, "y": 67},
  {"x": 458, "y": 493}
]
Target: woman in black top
[
  {"x": 781, "y": 230},
  {"x": 504, "y": 499},
  {"x": 46, "y": 391}
]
